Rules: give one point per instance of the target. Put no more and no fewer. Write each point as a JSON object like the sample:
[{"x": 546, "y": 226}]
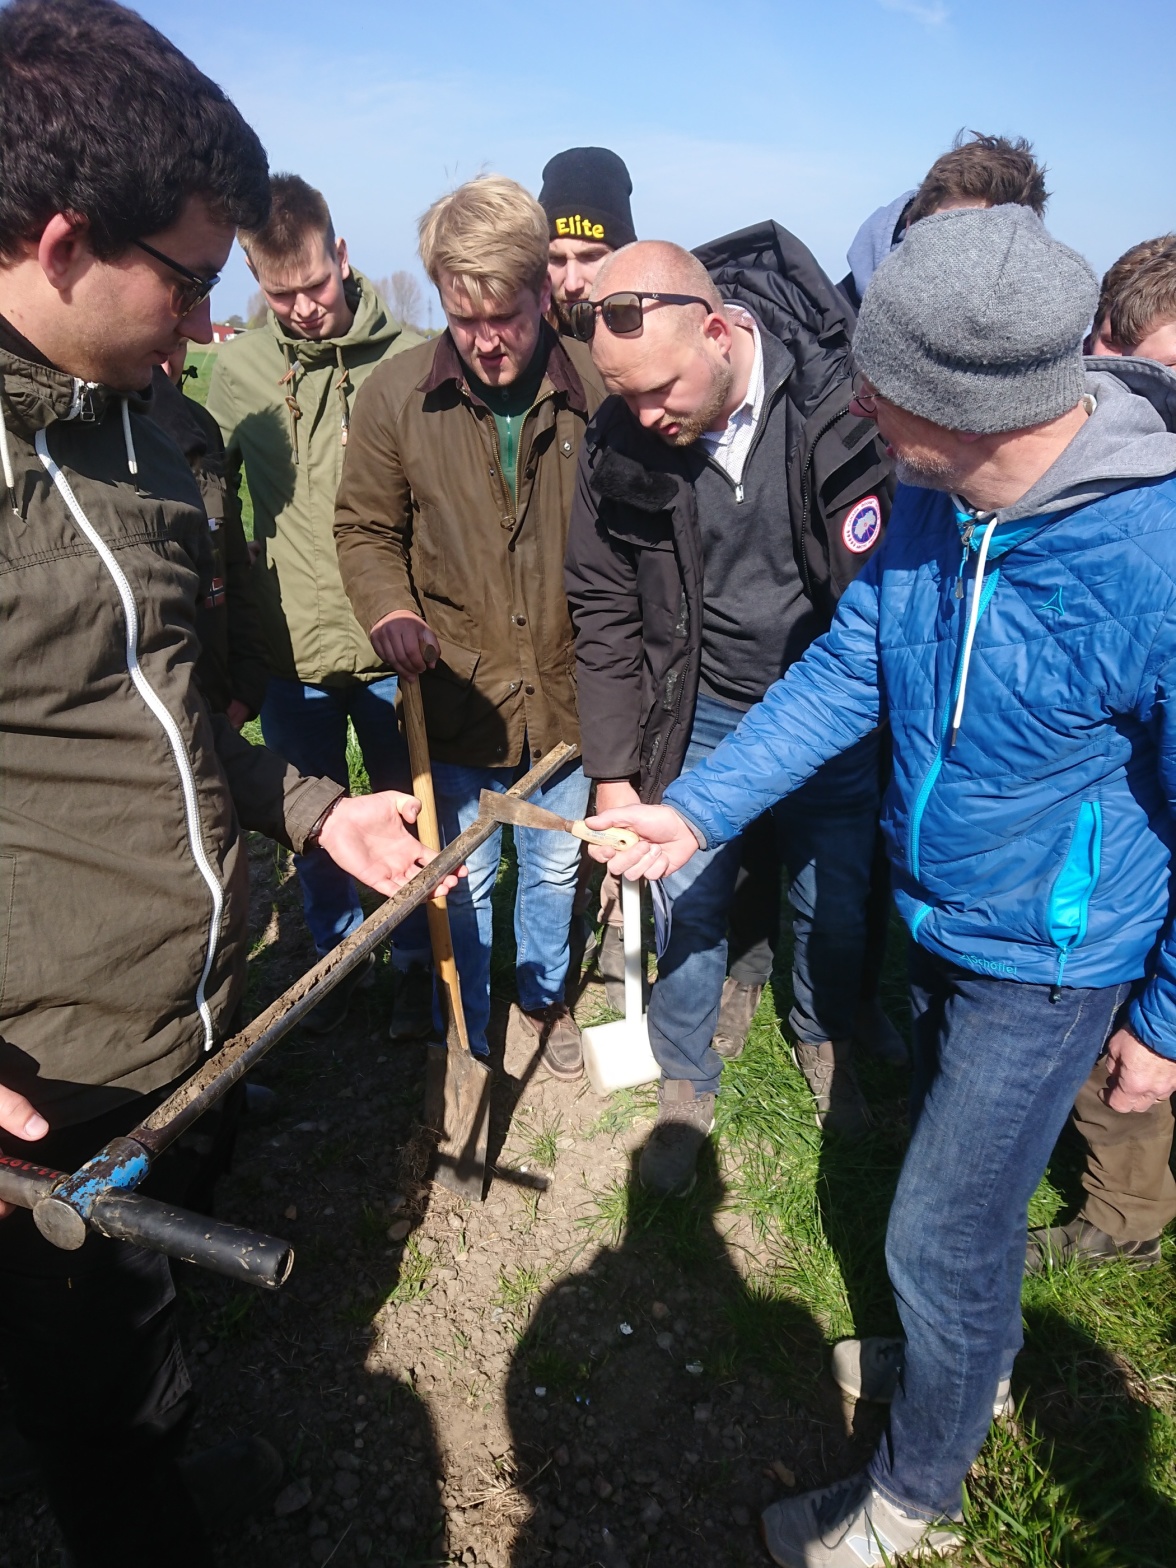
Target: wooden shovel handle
[
  {"x": 616, "y": 838},
  {"x": 429, "y": 833}
]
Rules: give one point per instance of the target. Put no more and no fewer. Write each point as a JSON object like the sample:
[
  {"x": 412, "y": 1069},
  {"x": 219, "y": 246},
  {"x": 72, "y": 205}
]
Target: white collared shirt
[{"x": 729, "y": 447}]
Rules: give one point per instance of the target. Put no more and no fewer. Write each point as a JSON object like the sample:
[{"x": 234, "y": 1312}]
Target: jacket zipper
[
  {"x": 155, "y": 703},
  {"x": 805, "y": 473},
  {"x": 757, "y": 433},
  {"x": 1073, "y": 889},
  {"x": 936, "y": 766}
]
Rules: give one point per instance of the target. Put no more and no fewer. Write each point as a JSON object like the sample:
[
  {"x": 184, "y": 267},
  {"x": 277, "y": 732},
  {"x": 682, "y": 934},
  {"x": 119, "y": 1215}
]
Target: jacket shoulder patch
[{"x": 862, "y": 524}]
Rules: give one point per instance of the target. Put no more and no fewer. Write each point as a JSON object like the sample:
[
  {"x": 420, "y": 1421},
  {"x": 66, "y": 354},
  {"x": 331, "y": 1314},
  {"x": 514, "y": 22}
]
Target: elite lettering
[{"x": 578, "y": 228}]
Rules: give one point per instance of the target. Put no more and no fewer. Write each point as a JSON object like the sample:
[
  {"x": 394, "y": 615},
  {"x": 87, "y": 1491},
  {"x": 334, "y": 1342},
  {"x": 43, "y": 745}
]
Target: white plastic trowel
[{"x": 617, "y": 1055}]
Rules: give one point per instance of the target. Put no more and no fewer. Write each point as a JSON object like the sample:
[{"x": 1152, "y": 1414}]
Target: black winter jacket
[{"x": 634, "y": 567}]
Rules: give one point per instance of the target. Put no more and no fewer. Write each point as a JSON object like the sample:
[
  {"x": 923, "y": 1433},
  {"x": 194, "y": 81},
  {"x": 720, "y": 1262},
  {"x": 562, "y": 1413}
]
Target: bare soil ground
[{"x": 561, "y": 1376}]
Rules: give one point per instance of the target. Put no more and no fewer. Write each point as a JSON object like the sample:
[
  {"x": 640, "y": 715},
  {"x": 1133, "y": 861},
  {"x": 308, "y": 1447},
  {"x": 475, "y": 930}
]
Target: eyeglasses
[
  {"x": 194, "y": 290},
  {"x": 863, "y": 399},
  {"x": 622, "y": 313}
]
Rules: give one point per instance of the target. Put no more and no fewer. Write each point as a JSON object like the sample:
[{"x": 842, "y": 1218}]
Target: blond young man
[{"x": 450, "y": 524}]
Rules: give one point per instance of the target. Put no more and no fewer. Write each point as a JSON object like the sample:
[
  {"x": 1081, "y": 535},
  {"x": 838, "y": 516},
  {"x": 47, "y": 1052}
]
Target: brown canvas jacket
[
  {"x": 424, "y": 521},
  {"x": 123, "y": 878}
]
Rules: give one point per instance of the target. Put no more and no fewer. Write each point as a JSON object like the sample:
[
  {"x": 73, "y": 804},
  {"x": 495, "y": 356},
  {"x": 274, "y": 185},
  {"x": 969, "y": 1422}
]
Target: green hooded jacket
[{"x": 284, "y": 404}]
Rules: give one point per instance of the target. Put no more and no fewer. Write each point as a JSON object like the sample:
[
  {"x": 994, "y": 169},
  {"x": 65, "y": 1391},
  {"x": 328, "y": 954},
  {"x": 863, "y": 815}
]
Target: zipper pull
[{"x": 738, "y": 494}]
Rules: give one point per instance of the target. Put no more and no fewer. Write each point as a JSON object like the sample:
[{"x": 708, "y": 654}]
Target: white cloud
[{"x": 932, "y": 13}]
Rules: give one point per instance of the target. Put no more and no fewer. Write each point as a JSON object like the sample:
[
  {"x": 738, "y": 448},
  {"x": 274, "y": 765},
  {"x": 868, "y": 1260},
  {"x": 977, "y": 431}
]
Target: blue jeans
[
  {"x": 997, "y": 1067},
  {"x": 826, "y": 836},
  {"x": 549, "y": 865},
  {"x": 308, "y": 726}
]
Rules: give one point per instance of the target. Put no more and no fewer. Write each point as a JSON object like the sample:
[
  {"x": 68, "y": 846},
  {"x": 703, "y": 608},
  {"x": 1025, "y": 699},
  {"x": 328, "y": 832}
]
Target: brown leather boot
[{"x": 559, "y": 1037}]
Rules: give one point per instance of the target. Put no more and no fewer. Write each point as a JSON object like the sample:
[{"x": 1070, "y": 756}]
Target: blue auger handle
[{"x": 231, "y": 1250}]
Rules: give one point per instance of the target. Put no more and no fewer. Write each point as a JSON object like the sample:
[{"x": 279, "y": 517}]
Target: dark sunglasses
[
  {"x": 192, "y": 292},
  {"x": 622, "y": 313}
]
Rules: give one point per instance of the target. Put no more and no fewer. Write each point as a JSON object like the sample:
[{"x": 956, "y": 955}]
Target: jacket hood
[
  {"x": 779, "y": 279},
  {"x": 373, "y": 324},
  {"x": 1129, "y": 439},
  {"x": 874, "y": 241}
]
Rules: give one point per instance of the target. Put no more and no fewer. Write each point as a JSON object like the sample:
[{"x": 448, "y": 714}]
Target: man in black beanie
[{"x": 585, "y": 195}]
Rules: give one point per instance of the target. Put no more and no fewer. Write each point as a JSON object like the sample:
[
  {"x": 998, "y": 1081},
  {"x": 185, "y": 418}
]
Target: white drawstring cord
[
  {"x": 973, "y": 617},
  {"x": 6, "y": 460},
  {"x": 132, "y": 460}
]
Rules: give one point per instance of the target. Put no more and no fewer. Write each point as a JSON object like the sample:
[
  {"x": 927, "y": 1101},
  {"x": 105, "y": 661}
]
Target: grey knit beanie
[{"x": 976, "y": 321}]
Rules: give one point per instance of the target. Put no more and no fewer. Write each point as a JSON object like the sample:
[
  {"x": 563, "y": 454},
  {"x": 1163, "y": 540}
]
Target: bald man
[{"x": 726, "y": 496}]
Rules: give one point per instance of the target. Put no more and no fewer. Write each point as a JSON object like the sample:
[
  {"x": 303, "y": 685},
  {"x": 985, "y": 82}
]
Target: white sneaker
[
  {"x": 870, "y": 1369},
  {"x": 850, "y": 1525}
]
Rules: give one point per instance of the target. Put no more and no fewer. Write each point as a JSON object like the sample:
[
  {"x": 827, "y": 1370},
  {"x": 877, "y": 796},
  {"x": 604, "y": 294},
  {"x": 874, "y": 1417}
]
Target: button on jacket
[{"x": 426, "y": 522}]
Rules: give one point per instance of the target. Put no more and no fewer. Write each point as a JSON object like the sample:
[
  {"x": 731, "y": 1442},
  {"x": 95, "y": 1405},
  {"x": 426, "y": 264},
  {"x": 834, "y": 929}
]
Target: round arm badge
[{"x": 862, "y": 525}]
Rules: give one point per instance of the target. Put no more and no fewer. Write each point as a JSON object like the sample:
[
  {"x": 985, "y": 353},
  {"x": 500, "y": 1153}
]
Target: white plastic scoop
[{"x": 617, "y": 1055}]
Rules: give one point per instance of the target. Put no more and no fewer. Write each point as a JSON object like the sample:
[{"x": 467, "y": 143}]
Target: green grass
[
  {"x": 517, "y": 1288},
  {"x": 413, "y": 1281}
]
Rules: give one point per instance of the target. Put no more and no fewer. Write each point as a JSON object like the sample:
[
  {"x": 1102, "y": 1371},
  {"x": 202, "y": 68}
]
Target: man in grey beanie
[{"x": 1018, "y": 630}]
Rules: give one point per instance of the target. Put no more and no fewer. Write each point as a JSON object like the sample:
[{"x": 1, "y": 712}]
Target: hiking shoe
[
  {"x": 233, "y": 1480},
  {"x": 412, "y": 1003},
  {"x": 684, "y": 1122},
  {"x": 610, "y": 965},
  {"x": 559, "y": 1037},
  {"x": 874, "y": 1031},
  {"x": 870, "y": 1368},
  {"x": 1083, "y": 1242},
  {"x": 828, "y": 1071},
  {"x": 333, "y": 1008},
  {"x": 736, "y": 1011},
  {"x": 850, "y": 1525}
]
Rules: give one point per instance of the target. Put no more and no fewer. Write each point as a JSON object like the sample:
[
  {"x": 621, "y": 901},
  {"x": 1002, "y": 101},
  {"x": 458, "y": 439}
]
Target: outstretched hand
[
  {"x": 1137, "y": 1076},
  {"x": 366, "y": 835},
  {"x": 666, "y": 841}
]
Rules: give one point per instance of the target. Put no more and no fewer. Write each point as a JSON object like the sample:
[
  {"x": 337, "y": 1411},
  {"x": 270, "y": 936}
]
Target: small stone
[
  {"x": 703, "y": 1413},
  {"x": 561, "y": 1455},
  {"x": 456, "y": 1221},
  {"x": 694, "y": 1368},
  {"x": 665, "y": 1341},
  {"x": 651, "y": 1514},
  {"x": 626, "y": 1328},
  {"x": 689, "y": 1458},
  {"x": 602, "y": 1488},
  {"x": 541, "y": 1392},
  {"x": 660, "y": 1311},
  {"x": 568, "y": 1535},
  {"x": 346, "y": 1483},
  {"x": 292, "y": 1498},
  {"x": 200, "y": 1348},
  {"x": 398, "y": 1230},
  {"x": 344, "y": 1460},
  {"x": 329, "y": 1209},
  {"x": 291, "y": 1212},
  {"x": 396, "y": 1202},
  {"x": 783, "y": 1474},
  {"x": 317, "y": 1527},
  {"x": 741, "y": 1516}
]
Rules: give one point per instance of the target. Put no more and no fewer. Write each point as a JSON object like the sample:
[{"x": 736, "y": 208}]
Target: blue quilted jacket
[{"x": 1026, "y": 663}]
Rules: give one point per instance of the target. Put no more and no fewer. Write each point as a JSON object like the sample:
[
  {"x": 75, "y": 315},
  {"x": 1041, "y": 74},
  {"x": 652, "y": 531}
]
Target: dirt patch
[{"x": 569, "y": 1375}]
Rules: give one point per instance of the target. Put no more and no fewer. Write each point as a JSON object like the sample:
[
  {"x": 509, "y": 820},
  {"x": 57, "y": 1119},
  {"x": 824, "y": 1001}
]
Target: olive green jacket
[
  {"x": 123, "y": 876},
  {"x": 284, "y": 406}
]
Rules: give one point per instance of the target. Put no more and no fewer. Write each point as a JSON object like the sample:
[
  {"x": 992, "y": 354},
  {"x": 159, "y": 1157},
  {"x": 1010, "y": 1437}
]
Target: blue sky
[{"x": 809, "y": 111}]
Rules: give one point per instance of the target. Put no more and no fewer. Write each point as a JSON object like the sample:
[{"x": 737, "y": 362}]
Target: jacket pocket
[
  {"x": 448, "y": 691},
  {"x": 1069, "y": 899},
  {"x": 7, "y": 895}
]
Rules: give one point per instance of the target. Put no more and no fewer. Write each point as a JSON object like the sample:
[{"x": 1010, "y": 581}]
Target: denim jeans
[
  {"x": 826, "y": 838},
  {"x": 549, "y": 864},
  {"x": 997, "y": 1066},
  {"x": 308, "y": 726}
]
